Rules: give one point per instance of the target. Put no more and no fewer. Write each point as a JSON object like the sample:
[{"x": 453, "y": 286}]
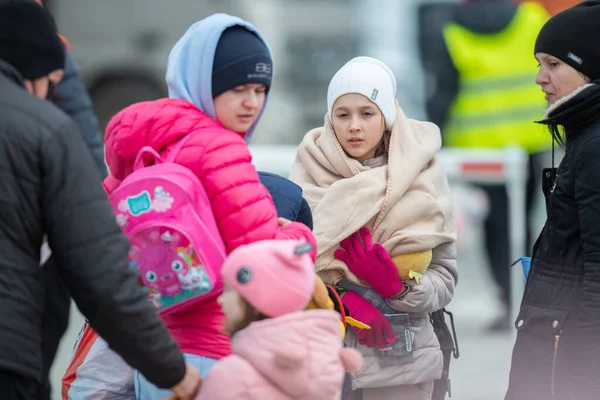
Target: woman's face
[
  {"x": 556, "y": 78},
  {"x": 238, "y": 108},
  {"x": 358, "y": 125},
  {"x": 232, "y": 305}
]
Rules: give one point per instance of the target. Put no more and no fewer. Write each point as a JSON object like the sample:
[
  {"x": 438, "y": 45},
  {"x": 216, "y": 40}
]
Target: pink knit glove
[
  {"x": 371, "y": 263},
  {"x": 381, "y": 333}
]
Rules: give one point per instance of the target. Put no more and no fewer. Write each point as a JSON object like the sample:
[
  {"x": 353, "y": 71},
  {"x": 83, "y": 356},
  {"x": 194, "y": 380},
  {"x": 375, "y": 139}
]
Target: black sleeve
[
  {"x": 587, "y": 197},
  {"x": 443, "y": 77},
  {"x": 71, "y": 96},
  {"x": 91, "y": 253}
]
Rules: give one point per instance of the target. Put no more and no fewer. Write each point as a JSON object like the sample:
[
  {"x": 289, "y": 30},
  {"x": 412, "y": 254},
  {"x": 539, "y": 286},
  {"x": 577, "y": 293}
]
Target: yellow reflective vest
[{"x": 498, "y": 99}]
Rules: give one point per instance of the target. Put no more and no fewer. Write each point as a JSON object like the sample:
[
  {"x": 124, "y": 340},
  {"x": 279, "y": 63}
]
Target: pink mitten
[
  {"x": 381, "y": 333},
  {"x": 371, "y": 263}
]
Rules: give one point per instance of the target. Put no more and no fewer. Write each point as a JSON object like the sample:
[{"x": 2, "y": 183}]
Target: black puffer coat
[
  {"x": 557, "y": 352},
  {"x": 50, "y": 186}
]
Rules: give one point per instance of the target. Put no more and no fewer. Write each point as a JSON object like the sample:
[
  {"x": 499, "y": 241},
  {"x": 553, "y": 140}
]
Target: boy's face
[{"x": 238, "y": 108}]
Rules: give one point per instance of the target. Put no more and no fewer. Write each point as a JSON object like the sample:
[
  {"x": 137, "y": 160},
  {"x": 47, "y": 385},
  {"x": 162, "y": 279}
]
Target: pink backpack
[{"x": 175, "y": 243}]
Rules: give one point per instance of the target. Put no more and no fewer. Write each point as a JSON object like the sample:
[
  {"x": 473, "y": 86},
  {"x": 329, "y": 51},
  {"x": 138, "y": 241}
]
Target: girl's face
[
  {"x": 358, "y": 125},
  {"x": 238, "y": 108},
  {"x": 556, "y": 78},
  {"x": 233, "y": 307}
]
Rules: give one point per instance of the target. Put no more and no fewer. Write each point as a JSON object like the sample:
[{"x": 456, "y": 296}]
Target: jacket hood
[
  {"x": 157, "y": 124},
  {"x": 287, "y": 197},
  {"x": 190, "y": 64},
  {"x": 300, "y": 353}
]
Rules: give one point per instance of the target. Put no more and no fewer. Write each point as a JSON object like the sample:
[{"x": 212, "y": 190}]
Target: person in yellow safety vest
[{"x": 486, "y": 97}]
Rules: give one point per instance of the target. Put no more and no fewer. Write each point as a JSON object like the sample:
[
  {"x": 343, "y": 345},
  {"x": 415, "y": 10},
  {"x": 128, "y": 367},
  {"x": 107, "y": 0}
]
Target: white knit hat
[{"x": 369, "y": 77}]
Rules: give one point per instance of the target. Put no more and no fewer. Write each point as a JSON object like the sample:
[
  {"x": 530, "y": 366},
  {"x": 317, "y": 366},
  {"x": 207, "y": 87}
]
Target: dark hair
[{"x": 558, "y": 133}]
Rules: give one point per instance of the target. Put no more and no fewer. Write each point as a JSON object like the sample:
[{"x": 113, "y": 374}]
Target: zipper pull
[
  {"x": 556, "y": 342},
  {"x": 553, "y": 187}
]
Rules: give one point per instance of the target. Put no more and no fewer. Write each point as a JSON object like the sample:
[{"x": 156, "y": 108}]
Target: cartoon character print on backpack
[
  {"x": 168, "y": 266},
  {"x": 195, "y": 278},
  {"x": 176, "y": 245},
  {"x": 159, "y": 266},
  {"x": 161, "y": 201}
]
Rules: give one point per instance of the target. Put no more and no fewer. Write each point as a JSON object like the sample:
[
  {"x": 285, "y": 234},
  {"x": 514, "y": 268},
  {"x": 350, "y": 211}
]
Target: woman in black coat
[{"x": 557, "y": 351}]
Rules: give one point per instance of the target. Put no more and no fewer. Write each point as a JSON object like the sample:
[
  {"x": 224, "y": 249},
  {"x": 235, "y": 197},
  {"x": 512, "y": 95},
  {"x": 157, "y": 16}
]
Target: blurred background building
[{"x": 122, "y": 48}]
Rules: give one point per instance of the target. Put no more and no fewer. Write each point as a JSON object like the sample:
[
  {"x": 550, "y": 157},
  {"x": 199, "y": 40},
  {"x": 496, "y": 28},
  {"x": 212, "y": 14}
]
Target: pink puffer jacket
[
  {"x": 220, "y": 158},
  {"x": 242, "y": 206},
  {"x": 297, "y": 356}
]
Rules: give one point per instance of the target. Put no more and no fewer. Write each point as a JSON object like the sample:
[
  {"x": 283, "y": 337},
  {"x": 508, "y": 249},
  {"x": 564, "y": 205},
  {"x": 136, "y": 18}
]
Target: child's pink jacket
[{"x": 298, "y": 356}]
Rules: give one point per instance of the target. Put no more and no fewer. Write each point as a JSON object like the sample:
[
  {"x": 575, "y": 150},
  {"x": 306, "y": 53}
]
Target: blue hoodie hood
[{"x": 190, "y": 65}]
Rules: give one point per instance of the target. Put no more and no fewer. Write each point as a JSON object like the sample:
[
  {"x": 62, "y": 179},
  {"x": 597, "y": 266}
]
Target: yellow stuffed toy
[
  {"x": 412, "y": 265},
  {"x": 326, "y": 298}
]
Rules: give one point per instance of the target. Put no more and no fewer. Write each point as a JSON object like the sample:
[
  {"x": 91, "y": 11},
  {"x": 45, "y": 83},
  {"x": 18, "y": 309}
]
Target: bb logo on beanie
[
  {"x": 262, "y": 71},
  {"x": 263, "y": 68},
  {"x": 244, "y": 275}
]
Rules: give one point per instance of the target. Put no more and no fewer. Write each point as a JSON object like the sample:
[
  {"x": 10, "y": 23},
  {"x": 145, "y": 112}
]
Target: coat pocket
[{"x": 538, "y": 343}]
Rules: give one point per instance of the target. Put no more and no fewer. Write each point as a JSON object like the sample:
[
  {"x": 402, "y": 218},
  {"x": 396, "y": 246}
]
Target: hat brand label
[
  {"x": 573, "y": 57},
  {"x": 262, "y": 67},
  {"x": 374, "y": 94},
  {"x": 262, "y": 70}
]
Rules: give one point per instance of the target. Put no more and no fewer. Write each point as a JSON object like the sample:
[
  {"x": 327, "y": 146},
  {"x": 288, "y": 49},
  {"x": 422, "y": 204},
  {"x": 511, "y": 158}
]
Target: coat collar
[{"x": 11, "y": 73}]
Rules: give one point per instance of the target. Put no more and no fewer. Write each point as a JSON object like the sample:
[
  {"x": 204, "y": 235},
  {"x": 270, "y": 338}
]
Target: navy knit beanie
[
  {"x": 572, "y": 36},
  {"x": 241, "y": 58},
  {"x": 29, "y": 40}
]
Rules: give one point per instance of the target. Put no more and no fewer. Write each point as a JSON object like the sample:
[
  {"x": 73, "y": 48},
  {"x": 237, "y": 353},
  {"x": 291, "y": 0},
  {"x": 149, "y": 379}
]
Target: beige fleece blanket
[{"x": 407, "y": 203}]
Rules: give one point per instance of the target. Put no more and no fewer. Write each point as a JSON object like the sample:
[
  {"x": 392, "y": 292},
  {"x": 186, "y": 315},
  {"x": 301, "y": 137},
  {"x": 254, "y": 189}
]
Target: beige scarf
[{"x": 407, "y": 203}]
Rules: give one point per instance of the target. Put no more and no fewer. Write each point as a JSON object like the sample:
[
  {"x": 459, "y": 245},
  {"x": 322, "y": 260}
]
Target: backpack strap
[
  {"x": 174, "y": 152},
  {"x": 449, "y": 346},
  {"x": 141, "y": 161}
]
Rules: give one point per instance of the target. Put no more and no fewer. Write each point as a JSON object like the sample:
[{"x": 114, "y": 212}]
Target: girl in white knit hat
[{"x": 382, "y": 214}]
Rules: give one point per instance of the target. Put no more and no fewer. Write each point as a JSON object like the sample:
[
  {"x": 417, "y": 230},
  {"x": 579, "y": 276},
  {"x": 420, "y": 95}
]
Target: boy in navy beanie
[{"x": 241, "y": 58}]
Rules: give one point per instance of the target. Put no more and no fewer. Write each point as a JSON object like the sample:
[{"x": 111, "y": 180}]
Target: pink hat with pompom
[{"x": 276, "y": 277}]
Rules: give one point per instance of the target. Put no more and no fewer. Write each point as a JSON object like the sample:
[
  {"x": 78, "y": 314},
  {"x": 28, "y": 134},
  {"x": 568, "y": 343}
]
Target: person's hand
[
  {"x": 283, "y": 222},
  {"x": 189, "y": 386},
  {"x": 381, "y": 333},
  {"x": 371, "y": 263}
]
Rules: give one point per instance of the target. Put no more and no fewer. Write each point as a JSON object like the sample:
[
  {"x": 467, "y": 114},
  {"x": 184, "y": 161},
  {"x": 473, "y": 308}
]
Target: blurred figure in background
[
  {"x": 486, "y": 97},
  {"x": 51, "y": 191},
  {"x": 71, "y": 96}
]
